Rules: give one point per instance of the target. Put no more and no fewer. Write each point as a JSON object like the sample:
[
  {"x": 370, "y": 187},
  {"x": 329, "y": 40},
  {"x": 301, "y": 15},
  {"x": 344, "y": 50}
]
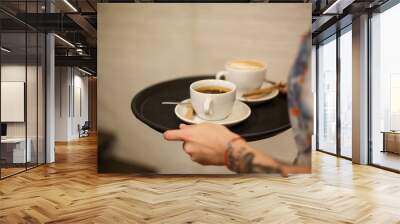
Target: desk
[
  {"x": 391, "y": 141},
  {"x": 13, "y": 150}
]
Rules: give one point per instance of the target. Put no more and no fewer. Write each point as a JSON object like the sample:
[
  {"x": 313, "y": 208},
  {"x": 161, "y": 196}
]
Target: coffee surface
[
  {"x": 212, "y": 89},
  {"x": 246, "y": 65}
]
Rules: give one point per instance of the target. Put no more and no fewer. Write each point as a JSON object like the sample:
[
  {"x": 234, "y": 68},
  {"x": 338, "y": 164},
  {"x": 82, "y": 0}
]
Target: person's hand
[
  {"x": 282, "y": 88},
  {"x": 205, "y": 143}
]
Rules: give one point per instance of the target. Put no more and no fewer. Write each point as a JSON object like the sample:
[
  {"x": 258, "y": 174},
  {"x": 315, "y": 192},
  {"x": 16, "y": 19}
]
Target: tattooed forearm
[
  {"x": 241, "y": 160},
  {"x": 246, "y": 162},
  {"x": 257, "y": 168},
  {"x": 233, "y": 160}
]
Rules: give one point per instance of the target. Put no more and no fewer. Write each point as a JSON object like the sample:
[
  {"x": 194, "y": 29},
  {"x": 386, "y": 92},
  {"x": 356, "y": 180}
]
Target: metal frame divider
[
  {"x": 37, "y": 91},
  {"x": 26, "y": 87},
  {"x": 0, "y": 93},
  {"x": 338, "y": 75},
  {"x": 369, "y": 78},
  {"x": 316, "y": 97}
]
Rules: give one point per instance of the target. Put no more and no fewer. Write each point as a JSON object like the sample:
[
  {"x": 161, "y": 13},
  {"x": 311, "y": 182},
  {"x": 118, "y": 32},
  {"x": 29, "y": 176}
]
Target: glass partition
[
  {"x": 31, "y": 99},
  {"x": 41, "y": 91},
  {"x": 14, "y": 153},
  {"x": 22, "y": 88}
]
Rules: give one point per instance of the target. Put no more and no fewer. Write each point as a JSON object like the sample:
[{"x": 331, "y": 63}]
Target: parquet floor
[
  {"x": 70, "y": 191},
  {"x": 10, "y": 171}
]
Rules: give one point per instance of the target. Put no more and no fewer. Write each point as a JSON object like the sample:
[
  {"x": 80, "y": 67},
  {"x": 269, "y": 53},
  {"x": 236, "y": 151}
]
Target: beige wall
[{"x": 142, "y": 44}]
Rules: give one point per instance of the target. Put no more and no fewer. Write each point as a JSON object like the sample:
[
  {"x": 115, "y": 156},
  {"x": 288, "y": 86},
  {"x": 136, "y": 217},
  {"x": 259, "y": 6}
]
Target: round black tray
[{"x": 266, "y": 119}]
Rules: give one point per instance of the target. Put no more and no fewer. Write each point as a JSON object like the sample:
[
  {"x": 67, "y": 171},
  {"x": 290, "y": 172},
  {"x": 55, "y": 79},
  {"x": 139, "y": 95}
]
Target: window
[
  {"x": 346, "y": 92},
  {"x": 333, "y": 137},
  {"x": 394, "y": 102},
  {"x": 385, "y": 89},
  {"x": 327, "y": 96},
  {"x": 314, "y": 93}
]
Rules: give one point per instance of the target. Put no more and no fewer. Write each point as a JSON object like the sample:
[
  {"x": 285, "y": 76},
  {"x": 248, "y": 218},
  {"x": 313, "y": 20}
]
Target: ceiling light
[
  {"x": 79, "y": 51},
  {"x": 333, "y": 6},
  {"x": 5, "y": 50},
  {"x": 84, "y": 71},
  {"x": 70, "y": 5},
  {"x": 65, "y": 41}
]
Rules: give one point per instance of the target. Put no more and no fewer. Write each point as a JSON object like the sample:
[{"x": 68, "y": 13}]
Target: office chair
[{"x": 84, "y": 130}]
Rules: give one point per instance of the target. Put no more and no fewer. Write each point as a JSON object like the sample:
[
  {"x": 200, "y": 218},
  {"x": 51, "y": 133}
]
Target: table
[
  {"x": 391, "y": 141},
  {"x": 266, "y": 120},
  {"x": 13, "y": 150}
]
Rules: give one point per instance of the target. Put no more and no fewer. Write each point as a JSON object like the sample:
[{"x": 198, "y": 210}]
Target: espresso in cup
[
  {"x": 213, "y": 89},
  {"x": 247, "y": 75},
  {"x": 213, "y": 99}
]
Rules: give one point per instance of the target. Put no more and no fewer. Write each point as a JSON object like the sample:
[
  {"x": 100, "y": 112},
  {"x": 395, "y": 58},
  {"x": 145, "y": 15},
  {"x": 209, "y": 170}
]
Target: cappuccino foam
[{"x": 246, "y": 65}]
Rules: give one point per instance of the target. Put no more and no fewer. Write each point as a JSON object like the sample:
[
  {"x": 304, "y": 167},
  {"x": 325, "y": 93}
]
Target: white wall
[
  {"x": 82, "y": 83},
  {"x": 61, "y": 103},
  {"x": 33, "y": 127},
  {"x": 69, "y": 82},
  {"x": 12, "y": 73}
]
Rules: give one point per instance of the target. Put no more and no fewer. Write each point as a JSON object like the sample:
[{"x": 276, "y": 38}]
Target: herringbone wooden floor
[{"x": 70, "y": 191}]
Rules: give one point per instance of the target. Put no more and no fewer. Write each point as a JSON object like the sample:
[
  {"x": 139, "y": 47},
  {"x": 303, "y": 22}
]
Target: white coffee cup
[
  {"x": 247, "y": 75},
  {"x": 213, "y": 106}
]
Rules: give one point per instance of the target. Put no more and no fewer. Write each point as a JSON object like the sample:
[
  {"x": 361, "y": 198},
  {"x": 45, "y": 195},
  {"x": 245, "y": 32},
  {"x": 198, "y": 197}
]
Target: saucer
[
  {"x": 265, "y": 98},
  {"x": 240, "y": 112}
]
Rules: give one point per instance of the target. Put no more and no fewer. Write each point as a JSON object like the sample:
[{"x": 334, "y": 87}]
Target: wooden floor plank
[{"x": 71, "y": 191}]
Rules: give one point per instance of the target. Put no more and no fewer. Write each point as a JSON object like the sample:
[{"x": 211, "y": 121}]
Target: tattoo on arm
[
  {"x": 246, "y": 162},
  {"x": 264, "y": 169},
  {"x": 241, "y": 160}
]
